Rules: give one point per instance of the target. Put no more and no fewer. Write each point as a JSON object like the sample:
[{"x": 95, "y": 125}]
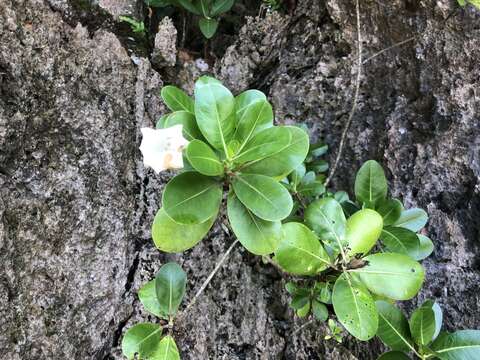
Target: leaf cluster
[
  {"x": 421, "y": 335},
  {"x": 160, "y": 297},
  {"x": 475, "y": 3},
  {"x": 233, "y": 146},
  {"x": 207, "y": 10}
]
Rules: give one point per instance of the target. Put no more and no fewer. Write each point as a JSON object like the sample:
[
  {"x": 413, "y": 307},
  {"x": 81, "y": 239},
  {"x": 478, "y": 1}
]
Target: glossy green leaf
[
  {"x": 311, "y": 186},
  {"x": 191, "y": 198},
  {"x": 170, "y": 283},
  {"x": 297, "y": 175},
  {"x": 438, "y": 317},
  {"x": 176, "y": 99},
  {"x": 299, "y": 301},
  {"x": 203, "y": 159},
  {"x": 425, "y": 247},
  {"x": 161, "y": 121},
  {"x": 363, "y": 230},
  {"x": 319, "y": 310},
  {"x": 304, "y": 311},
  {"x": 393, "y": 328},
  {"x": 355, "y": 308},
  {"x": 255, "y": 118},
  {"x": 246, "y": 99},
  {"x": 400, "y": 240},
  {"x": 208, "y": 26},
  {"x": 390, "y": 209},
  {"x": 141, "y": 339},
  {"x": 326, "y": 218},
  {"x": 172, "y": 237},
  {"x": 370, "y": 184},
  {"x": 166, "y": 350},
  {"x": 264, "y": 144},
  {"x": 148, "y": 297},
  {"x": 258, "y": 236},
  {"x": 262, "y": 195},
  {"x": 221, "y": 6},
  {"x": 214, "y": 105},
  {"x": 394, "y": 355},
  {"x": 281, "y": 162},
  {"x": 412, "y": 219},
  {"x": 422, "y": 325},
  {"x": 190, "y": 6},
  {"x": 190, "y": 129},
  {"x": 300, "y": 252},
  {"x": 460, "y": 345},
  {"x": 395, "y": 276}
]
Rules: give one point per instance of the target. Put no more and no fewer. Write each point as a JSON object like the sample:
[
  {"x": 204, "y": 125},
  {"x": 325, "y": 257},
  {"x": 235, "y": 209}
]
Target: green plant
[
  {"x": 160, "y": 297},
  {"x": 273, "y": 5},
  {"x": 343, "y": 254},
  {"x": 207, "y": 10},
  {"x": 136, "y": 26},
  {"x": 421, "y": 335},
  {"x": 475, "y": 3}
]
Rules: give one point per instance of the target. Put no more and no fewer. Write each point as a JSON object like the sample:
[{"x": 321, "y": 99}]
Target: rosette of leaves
[
  {"x": 233, "y": 146},
  {"x": 475, "y": 3},
  {"x": 160, "y": 297},
  {"x": 421, "y": 335},
  {"x": 207, "y": 10},
  {"x": 337, "y": 240}
]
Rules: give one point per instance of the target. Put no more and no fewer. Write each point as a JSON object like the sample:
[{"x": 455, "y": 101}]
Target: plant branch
[
  {"x": 389, "y": 48},
  {"x": 309, "y": 322},
  {"x": 208, "y": 279},
  {"x": 355, "y": 98}
]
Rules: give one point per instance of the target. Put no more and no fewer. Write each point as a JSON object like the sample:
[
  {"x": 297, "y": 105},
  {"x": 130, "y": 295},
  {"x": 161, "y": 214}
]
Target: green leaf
[
  {"x": 170, "y": 284},
  {"x": 326, "y": 218},
  {"x": 393, "y": 328},
  {"x": 363, "y": 230},
  {"x": 370, "y": 184},
  {"x": 148, "y": 297},
  {"x": 412, "y": 219},
  {"x": 161, "y": 121},
  {"x": 203, "y": 159},
  {"x": 311, "y": 186},
  {"x": 214, "y": 105},
  {"x": 460, "y": 345},
  {"x": 221, "y": 6},
  {"x": 172, "y": 237},
  {"x": 304, "y": 311},
  {"x": 395, "y": 276},
  {"x": 265, "y": 197},
  {"x": 299, "y": 301},
  {"x": 296, "y": 175},
  {"x": 167, "y": 350},
  {"x": 438, "y": 316},
  {"x": 400, "y": 240},
  {"x": 158, "y": 3},
  {"x": 246, "y": 99},
  {"x": 355, "y": 308},
  {"x": 190, "y": 129},
  {"x": 176, "y": 99},
  {"x": 191, "y": 198},
  {"x": 425, "y": 247},
  {"x": 141, "y": 339},
  {"x": 319, "y": 310},
  {"x": 462, "y": 2},
  {"x": 257, "y": 116},
  {"x": 390, "y": 209},
  {"x": 422, "y": 325},
  {"x": 264, "y": 144},
  {"x": 208, "y": 26},
  {"x": 300, "y": 252},
  {"x": 190, "y": 6},
  {"x": 281, "y": 162},
  {"x": 394, "y": 355},
  {"x": 258, "y": 236}
]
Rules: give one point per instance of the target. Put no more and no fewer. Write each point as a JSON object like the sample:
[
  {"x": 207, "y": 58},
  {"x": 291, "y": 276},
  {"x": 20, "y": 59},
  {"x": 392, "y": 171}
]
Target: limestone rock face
[{"x": 76, "y": 203}]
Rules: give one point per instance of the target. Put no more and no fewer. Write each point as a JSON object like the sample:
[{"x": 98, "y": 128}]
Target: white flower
[{"x": 162, "y": 148}]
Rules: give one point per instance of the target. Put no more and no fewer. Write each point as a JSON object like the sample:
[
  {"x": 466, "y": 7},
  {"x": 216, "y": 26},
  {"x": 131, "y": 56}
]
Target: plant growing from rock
[
  {"x": 160, "y": 297},
  {"x": 344, "y": 255},
  {"x": 207, "y": 10},
  {"x": 475, "y": 3}
]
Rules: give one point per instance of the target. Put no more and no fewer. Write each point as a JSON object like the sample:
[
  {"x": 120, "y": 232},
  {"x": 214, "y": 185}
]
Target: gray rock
[
  {"x": 165, "y": 49},
  {"x": 76, "y": 203}
]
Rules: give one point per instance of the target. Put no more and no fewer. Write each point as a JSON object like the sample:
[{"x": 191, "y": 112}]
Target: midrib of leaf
[
  {"x": 257, "y": 191},
  {"x": 206, "y": 158},
  {"x": 379, "y": 272},
  {"x": 170, "y": 298},
  {"x": 397, "y": 332},
  {"x": 271, "y": 155},
  {"x": 457, "y": 348},
  {"x": 397, "y": 239},
  {"x": 203, "y": 9},
  {"x": 254, "y": 148},
  {"x": 252, "y": 129},
  {"x": 309, "y": 253},
  {"x": 193, "y": 196},
  {"x": 370, "y": 183},
  {"x": 181, "y": 104},
  {"x": 215, "y": 8},
  {"x": 217, "y": 117},
  {"x": 337, "y": 239},
  {"x": 150, "y": 335}
]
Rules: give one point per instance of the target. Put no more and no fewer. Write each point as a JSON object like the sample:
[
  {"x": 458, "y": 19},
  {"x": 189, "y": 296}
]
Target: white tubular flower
[{"x": 162, "y": 148}]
